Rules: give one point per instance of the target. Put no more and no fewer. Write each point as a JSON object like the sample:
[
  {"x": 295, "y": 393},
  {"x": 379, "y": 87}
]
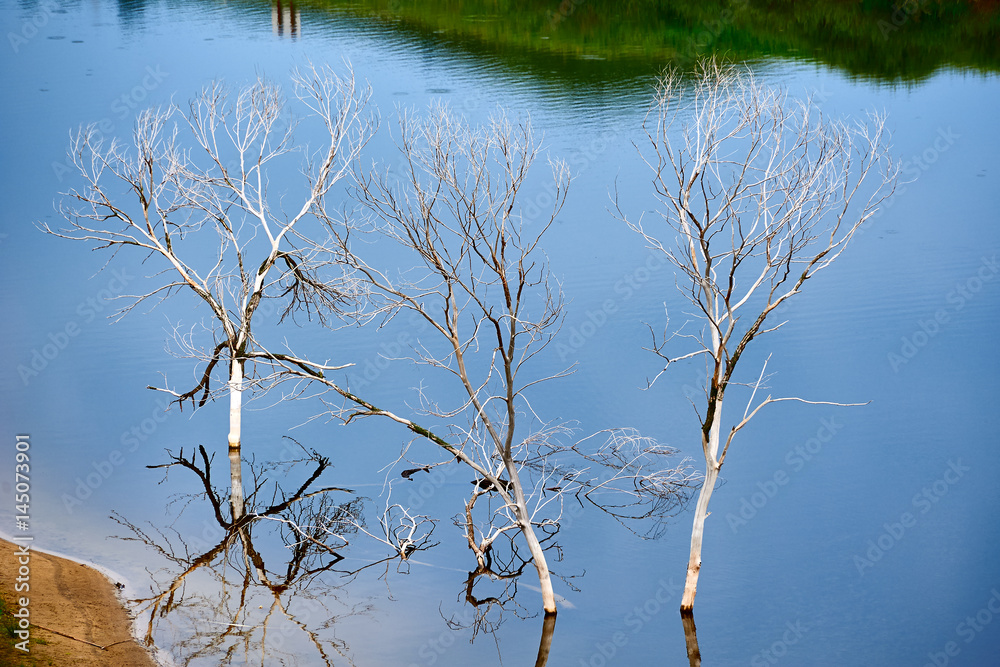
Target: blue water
[{"x": 800, "y": 574}]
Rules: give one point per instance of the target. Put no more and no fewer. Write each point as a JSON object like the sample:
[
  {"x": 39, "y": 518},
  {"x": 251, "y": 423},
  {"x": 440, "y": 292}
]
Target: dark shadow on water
[
  {"x": 611, "y": 40},
  {"x": 545, "y": 644},
  {"x": 271, "y": 583},
  {"x": 691, "y": 639},
  {"x": 265, "y": 584},
  {"x": 489, "y": 609}
]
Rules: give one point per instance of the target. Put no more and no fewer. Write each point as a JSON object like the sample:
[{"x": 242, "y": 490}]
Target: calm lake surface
[{"x": 819, "y": 570}]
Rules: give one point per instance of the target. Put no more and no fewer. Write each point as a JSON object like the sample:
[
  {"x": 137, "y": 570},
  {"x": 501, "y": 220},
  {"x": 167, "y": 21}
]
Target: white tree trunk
[
  {"x": 700, "y": 513},
  {"x": 528, "y": 530},
  {"x": 538, "y": 555},
  {"x": 712, "y": 467},
  {"x": 235, "y": 459}
]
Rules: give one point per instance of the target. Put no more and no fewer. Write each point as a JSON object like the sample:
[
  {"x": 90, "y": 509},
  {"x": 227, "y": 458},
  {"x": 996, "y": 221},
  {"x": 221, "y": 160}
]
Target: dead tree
[
  {"x": 480, "y": 284},
  {"x": 207, "y": 219},
  {"x": 758, "y": 193},
  {"x": 484, "y": 289}
]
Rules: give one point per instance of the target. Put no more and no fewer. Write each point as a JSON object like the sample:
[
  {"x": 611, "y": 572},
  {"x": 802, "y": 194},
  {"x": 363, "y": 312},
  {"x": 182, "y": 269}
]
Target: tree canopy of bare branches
[
  {"x": 758, "y": 193},
  {"x": 192, "y": 195},
  {"x": 482, "y": 285}
]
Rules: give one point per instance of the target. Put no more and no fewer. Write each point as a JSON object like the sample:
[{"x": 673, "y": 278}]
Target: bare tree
[
  {"x": 485, "y": 289},
  {"x": 171, "y": 203},
  {"x": 759, "y": 192}
]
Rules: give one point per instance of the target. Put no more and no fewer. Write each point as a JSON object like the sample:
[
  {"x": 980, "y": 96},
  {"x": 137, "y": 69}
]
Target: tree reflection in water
[
  {"x": 261, "y": 589},
  {"x": 691, "y": 638},
  {"x": 267, "y": 588},
  {"x": 502, "y": 568}
]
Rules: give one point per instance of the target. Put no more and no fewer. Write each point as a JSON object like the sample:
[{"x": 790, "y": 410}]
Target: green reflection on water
[{"x": 867, "y": 38}]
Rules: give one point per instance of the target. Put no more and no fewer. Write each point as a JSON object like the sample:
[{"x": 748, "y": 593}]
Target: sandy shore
[{"x": 74, "y": 610}]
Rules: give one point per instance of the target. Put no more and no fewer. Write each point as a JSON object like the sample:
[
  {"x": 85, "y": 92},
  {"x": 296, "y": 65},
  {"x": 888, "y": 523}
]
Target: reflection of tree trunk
[
  {"x": 545, "y": 645},
  {"x": 235, "y": 411},
  {"x": 164, "y": 601},
  {"x": 285, "y": 20},
  {"x": 691, "y": 639},
  {"x": 251, "y": 557}
]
